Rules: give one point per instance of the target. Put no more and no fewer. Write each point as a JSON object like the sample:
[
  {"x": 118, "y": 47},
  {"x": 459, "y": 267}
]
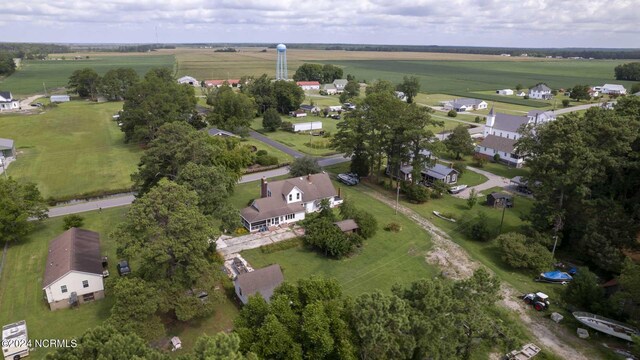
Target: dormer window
[
  {"x": 297, "y": 196},
  {"x": 290, "y": 197}
]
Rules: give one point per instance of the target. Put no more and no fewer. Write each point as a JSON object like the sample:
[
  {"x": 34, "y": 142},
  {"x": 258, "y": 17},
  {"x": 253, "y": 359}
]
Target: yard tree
[
  {"x": 522, "y": 253},
  {"x": 410, "y": 86},
  {"x": 587, "y": 182},
  {"x": 106, "y": 342},
  {"x": 232, "y": 111},
  {"x": 84, "y": 82},
  {"x": 416, "y": 138},
  {"x": 321, "y": 233},
  {"x": 518, "y": 87},
  {"x": 72, "y": 221},
  {"x": 221, "y": 346},
  {"x": 478, "y": 228},
  {"x": 271, "y": 120},
  {"x": 167, "y": 235},
  {"x": 7, "y": 65},
  {"x": 635, "y": 88},
  {"x": 261, "y": 90},
  {"x": 381, "y": 86},
  {"x": 585, "y": 292},
  {"x": 304, "y": 166},
  {"x": 135, "y": 308},
  {"x": 154, "y": 101},
  {"x": 352, "y": 138},
  {"x": 580, "y": 92},
  {"x": 309, "y": 72},
  {"x": 115, "y": 83},
  {"x": 19, "y": 202},
  {"x": 459, "y": 142},
  {"x": 472, "y": 200},
  {"x": 351, "y": 91},
  {"x": 330, "y": 73},
  {"x": 288, "y": 96},
  {"x": 382, "y": 327}
]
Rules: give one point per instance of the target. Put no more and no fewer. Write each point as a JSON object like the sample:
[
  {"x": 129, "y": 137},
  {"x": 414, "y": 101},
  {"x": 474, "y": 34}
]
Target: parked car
[
  {"x": 347, "y": 179},
  {"x": 457, "y": 189},
  {"x": 123, "y": 268}
]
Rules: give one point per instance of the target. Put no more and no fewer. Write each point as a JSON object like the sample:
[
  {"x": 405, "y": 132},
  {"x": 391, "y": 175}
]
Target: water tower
[{"x": 281, "y": 64}]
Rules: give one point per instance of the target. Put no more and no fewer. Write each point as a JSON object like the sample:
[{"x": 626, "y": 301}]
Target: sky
[{"x": 508, "y": 23}]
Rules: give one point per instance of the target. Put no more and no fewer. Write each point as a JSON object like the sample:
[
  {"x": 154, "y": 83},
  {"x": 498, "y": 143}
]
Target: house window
[
  {"x": 290, "y": 197},
  {"x": 500, "y": 133},
  {"x": 63, "y": 288},
  {"x": 297, "y": 196},
  {"x": 290, "y": 216},
  {"x": 85, "y": 283},
  {"x": 269, "y": 193}
]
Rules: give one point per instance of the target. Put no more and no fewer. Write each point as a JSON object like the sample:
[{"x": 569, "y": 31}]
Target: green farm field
[
  {"x": 55, "y": 73},
  {"x": 71, "y": 149}
]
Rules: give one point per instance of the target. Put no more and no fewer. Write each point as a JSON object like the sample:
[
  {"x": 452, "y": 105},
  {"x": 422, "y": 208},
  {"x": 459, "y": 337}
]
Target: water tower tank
[{"x": 281, "y": 47}]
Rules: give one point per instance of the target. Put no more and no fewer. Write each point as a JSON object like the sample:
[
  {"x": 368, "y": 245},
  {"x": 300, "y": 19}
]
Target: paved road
[
  {"x": 91, "y": 205},
  {"x": 575, "y": 108},
  {"x": 256, "y": 135},
  {"x": 492, "y": 181}
]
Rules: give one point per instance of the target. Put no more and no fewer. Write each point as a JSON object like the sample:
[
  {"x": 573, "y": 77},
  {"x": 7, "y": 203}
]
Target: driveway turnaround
[{"x": 229, "y": 247}]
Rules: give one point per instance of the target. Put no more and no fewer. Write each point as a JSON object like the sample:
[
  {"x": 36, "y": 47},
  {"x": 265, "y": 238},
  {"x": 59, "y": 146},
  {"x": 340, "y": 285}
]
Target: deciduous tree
[
  {"x": 84, "y": 82},
  {"x": 410, "y": 86},
  {"x": 304, "y": 166},
  {"x": 459, "y": 142},
  {"x": 271, "y": 120},
  {"x": 19, "y": 202}
]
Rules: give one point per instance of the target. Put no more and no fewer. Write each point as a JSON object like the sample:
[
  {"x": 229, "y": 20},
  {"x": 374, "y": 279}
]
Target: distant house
[
  {"x": 188, "y": 80},
  {"x": 347, "y": 226},
  {"x": 465, "y": 104},
  {"x": 7, "y": 148},
  {"x": 439, "y": 172},
  {"x": 309, "y": 85},
  {"x": 59, "y": 98},
  {"x": 310, "y": 108},
  {"x": 613, "y": 89},
  {"x": 521, "y": 93},
  {"x": 298, "y": 113},
  {"x": 219, "y": 83},
  {"x": 262, "y": 281},
  {"x": 400, "y": 95},
  {"x": 498, "y": 199},
  {"x": 288, "y": 201},
  {"x": 403, "y": 172},
  {"x": 7, "y": 102},
  {"x": 219, "y": 132},
  {"x": 340, "y": 84},
  {"x": 505, "y": 92},
  {"x": 73, "y": 271},
  {"x": 540, "y": 91},
  {"x": 330, "y": 89}
]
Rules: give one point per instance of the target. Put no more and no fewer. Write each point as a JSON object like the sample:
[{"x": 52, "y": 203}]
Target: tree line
[
  {"x": 325, "y": 74},
  {"x": 628, "y": 71},
  {"x": 31, "y": 51}
]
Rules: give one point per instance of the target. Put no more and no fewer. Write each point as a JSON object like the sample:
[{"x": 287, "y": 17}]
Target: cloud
[{"x": 464, "y": 22}]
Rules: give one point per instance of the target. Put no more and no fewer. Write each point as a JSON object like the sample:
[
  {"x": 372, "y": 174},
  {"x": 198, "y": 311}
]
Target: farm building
[
  {"x": 7, "y": 102},
  {"x": 340, "y": 84},
  {"x": 613, "y": 89},
  {"x": 464, "y": 104},
  {"x": 59, "y": 98},
  {"x": 498, "y": 199},
  {"x": 219, "y": 132},
  {"x": 7, "y": 148},
  {"x": 309, "y": 85},
  {"x": 540, "y": 91},
  {"x": 262, "y": 281},
  {"x": 330, "y": 89},
  {"x": 298, "y": 113},
  {"x": 308, "y": 126},
  {"x": 288, "y": 201},
  {"x": 73, "y": 272},
  {"x": 505, "y": 92},
  {"x": 188, "y": 80},
  {"x": 347, "y": 226}
]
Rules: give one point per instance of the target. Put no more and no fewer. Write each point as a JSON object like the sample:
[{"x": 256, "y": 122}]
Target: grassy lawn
[
  {"x": 55, "y": 73},
  {"x": 73, "y": 149},
  {"x": 386, "y": 259},
  {"x": 301, "y": 141},
  {"x": 471, "y": 178},
  {"x": 499, "y": 169},
  {"x": 282, "y": 156}
]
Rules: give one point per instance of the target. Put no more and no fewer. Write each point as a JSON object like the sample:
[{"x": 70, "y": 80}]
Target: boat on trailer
[
  {"x": 557, "y": 277},
  {"x": 607, "y": 326}
]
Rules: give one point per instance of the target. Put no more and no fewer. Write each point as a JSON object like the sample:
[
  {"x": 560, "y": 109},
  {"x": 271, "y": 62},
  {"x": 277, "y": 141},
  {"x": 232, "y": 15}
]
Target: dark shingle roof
[
  {"x": 439, "y": 171},
  {"x": 510, "y": 123},
  {"x": 541, "y": 87},
  {"x": 499, "y": 143},
  {"x": 347, "y": 225},
  {"x": 262, "y": 281},
  {"x": 499, "y": 195},
  {"x": 5, "y": 94},
  {"x": 74, "y": 250}
]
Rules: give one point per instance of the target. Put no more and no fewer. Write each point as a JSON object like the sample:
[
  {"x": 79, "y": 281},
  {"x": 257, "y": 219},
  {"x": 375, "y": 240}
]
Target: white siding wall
[
  {"x": 296, "y": 196},
  {"x": 73, "y": 281}
]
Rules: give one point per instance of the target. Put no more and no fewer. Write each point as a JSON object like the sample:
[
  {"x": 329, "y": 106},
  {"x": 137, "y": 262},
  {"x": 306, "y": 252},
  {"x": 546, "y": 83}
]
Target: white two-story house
[
  {"x": 540, "y": 91},
  {"x": 288, "y": 201},
  {"x": 73, "y": 273},
  {"x": 7, "y": 102}
]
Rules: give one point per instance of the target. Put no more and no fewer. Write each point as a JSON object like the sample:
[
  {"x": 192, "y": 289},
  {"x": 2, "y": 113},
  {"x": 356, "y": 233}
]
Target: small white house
[
  {"x": 540, "y": 91},
  {"x": 298, "y": 113},
  {"x": 188, "y": 80},
  {"x": 73, "y": 272},
  {"x": 258, "y": 282},
  {"x": 7, "y": 102},
  {"x": 504, "y": 92},
  {"x": 613, "y": 89},
  {"x": 308, "y": 126}
]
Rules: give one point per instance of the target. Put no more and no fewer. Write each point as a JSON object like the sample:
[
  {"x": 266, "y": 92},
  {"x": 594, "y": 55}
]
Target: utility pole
[{"x": 555, "y": 242}]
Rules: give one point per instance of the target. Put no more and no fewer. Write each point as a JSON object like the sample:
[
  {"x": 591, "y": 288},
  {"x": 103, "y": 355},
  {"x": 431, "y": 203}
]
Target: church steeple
[{"x": 491, "y": 118}]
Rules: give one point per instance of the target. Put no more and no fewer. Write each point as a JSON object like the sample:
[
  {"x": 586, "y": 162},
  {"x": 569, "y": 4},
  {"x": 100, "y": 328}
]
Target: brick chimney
[
  {"x": 309, "y": 177},
  {"x": 263, "y": 187}
]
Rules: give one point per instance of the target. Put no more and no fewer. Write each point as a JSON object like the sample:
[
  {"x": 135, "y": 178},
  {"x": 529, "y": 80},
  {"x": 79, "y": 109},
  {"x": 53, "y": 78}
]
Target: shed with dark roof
[
  {"x": 499, "y": 199},
  {"x": 347, "y": 226},
  {"x": 262, "y": 281},
  {"x": 73, "y": 269}
]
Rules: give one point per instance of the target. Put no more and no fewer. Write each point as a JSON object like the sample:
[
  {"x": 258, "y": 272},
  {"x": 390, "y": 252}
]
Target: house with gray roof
[
  {"x": 439, "y": 172},
  {"x": 330, "y": 89},
  {"x": 288, "y": 201},
  {"x": 7, "y": 148},
  {"x": 465, "y": 104},
  {"x": 258, "y": 282},
  {"x": 190, "y": 80},
  {"x": 403, "y": 172},
  {"x": 73, "y": 271},
  {"x": 340, "y": 84},
  {"x": 540, "y": 91},
  {"x": 7, "y": 102},
  {"x": 220, "y": 132}
]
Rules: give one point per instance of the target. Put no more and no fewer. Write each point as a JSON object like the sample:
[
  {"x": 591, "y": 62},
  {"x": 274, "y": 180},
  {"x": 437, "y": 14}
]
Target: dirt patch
[{"x": 456, "y": 263}]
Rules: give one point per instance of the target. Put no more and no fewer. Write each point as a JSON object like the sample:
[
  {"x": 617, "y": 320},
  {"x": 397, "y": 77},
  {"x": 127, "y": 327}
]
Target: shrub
[
  {"x": 286, "y": 126},
  {"x": 479, "y": 160},
  {"x": 584, "y": 291},
  {"x": 477, "y": 119},
  {"x": 479, "y": 229},
  {"x": 393, "y": 227},
  {"x": 282, "y": 245},
  {"x": 71, "y": 221},
  {"x": 241, "y": 230},
  {"x": 472, "y": 200},
  {"x": 520, "y": 253},
  {"x": 417, "y": 193},
  {"x": 566, "y": 102},
  {"x": 438, "y": 188},
  {"x": 261, "y": 153},
  {"x": 452, "y": 113},
  {"x": 526, "y": 97},
  {"x": 267, "y": 160},
  {"x": 367, "y": 224},
  {"x": 496, "y": 157}
]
